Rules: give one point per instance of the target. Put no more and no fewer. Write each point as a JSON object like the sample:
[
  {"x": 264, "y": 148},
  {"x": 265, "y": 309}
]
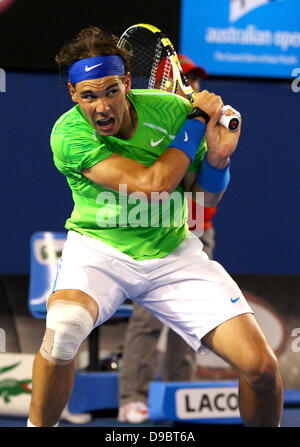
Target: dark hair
[{"x": 90, "y": 42}]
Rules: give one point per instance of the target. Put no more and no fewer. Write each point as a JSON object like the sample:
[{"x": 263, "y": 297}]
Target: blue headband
[{"x": 96, "y": 67}]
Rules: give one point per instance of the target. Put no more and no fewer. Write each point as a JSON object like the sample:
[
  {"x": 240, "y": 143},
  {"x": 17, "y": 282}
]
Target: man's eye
[{"x": 112, "y": 92}]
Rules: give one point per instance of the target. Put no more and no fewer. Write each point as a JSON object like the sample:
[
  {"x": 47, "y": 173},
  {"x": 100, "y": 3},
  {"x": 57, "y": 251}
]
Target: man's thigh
[
  {"x": 85, "y": 267},
  {"x": 193, "y": 295},
  {"x": 239, "y": 341}
]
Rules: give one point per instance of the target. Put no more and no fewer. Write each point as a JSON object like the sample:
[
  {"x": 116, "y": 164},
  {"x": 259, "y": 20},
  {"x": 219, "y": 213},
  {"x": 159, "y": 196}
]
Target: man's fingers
[
  {"x": 215, "y": 117},
  {"x": 208, "y": 102}
]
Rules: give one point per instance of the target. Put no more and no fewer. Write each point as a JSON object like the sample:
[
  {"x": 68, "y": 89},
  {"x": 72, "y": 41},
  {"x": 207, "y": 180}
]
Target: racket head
[{"x": 154, "y": 62}]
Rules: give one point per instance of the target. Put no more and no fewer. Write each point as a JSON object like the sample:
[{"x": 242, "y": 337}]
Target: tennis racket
[{"x": 155, "y": 64}]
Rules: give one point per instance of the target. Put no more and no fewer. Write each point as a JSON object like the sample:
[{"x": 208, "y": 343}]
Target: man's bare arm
[{"x": 163, "y": 176}]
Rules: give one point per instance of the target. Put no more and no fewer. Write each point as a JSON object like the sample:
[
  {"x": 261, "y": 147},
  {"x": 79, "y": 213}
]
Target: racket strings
[
  {"x": 167, "y": 83},
  {"x": 150, "y": 64},
  {"x": 157, "y": 58}
]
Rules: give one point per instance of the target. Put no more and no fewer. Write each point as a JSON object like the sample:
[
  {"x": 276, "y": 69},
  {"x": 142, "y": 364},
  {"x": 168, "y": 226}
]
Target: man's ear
[
  {"x": 72, "y": 91},
  {"x": 127, "y": 83}
]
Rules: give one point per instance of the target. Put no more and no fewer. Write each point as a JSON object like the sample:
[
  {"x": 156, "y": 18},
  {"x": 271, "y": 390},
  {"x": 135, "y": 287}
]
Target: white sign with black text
[{"x": 207, "y": 403}]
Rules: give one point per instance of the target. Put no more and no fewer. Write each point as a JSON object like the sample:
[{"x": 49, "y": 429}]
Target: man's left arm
[
  {"x": 213, "y": 177},
  {"x": 191, "y": 185}
]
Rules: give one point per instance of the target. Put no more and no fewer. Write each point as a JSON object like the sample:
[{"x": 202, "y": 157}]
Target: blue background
[
  {"x": 197, "y": 16},
  {"x": 258, "y": 220}
]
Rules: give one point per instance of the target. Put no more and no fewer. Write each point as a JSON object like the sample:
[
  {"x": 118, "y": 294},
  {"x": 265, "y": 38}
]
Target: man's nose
[{"x": 102, "y": 107}]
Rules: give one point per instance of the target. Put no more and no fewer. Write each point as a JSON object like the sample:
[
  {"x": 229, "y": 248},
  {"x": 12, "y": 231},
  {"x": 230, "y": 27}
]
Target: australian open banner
[{"x": 259, "y": 38}]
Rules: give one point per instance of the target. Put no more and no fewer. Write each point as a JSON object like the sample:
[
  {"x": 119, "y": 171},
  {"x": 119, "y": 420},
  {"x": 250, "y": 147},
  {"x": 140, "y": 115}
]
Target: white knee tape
[{"x": 67, "y": 326}]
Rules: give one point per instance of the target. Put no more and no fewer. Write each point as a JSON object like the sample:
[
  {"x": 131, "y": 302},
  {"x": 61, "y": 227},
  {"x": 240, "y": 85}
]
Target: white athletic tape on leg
[{"x": 67, "y": 326}]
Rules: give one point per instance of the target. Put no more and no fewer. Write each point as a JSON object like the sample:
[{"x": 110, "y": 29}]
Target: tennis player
[{"x": 124, "y": 153}]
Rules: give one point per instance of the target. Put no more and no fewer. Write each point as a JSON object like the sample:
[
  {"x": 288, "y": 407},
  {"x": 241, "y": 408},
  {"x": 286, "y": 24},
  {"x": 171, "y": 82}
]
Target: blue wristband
[
  {"x": 189, "y": 137},
  {"x": 213, "y": 179}
]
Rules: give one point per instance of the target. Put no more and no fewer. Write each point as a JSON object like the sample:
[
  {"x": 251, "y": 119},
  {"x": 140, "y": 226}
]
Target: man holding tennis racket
[
  {"x": 117, "y": 147},
  {"x": 140, "y": 356}
]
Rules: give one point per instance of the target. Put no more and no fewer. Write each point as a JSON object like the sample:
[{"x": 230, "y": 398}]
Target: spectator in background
[{"x": 140, "y": 359}]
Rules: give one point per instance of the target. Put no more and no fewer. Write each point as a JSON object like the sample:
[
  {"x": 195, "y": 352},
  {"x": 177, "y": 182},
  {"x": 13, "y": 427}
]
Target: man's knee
[
  {"x": 262, "y": 372},
  {"x": 67, "y": 326}
]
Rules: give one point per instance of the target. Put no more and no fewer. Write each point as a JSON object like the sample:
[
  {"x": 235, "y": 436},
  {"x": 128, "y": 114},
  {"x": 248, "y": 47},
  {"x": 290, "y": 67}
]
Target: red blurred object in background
[{"x": 5, "y": 4}]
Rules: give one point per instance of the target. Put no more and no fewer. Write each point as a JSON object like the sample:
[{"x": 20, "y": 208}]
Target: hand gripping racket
[{"x": 155, "y": 64}]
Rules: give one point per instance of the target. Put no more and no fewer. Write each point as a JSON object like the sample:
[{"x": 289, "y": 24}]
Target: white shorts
[{"x": 185, "y": 290}]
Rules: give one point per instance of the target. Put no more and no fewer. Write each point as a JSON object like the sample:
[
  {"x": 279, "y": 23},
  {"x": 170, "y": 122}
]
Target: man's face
[
  {"x": 194, "y": 81},
  {"x": 103, "y": 102}
]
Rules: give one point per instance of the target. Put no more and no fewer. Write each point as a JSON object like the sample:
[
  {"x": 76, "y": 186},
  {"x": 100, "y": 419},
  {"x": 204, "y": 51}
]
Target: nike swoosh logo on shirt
[
  {"x": 155, "y": 143},
  {"x": 93, "y": 66},
  {"x": 186, "y": 137},
  {"x": 234, "y": 300}
]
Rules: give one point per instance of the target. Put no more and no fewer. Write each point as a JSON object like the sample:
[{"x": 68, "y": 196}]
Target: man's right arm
[{"x": 163, "y": 176}]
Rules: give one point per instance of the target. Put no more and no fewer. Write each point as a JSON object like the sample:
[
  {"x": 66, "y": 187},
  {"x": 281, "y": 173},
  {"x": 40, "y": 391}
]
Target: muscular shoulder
[
  {"x": 160, "y": 109},
  {"x": 75, "y": 143},
  {"x": 73, "y": 122}
]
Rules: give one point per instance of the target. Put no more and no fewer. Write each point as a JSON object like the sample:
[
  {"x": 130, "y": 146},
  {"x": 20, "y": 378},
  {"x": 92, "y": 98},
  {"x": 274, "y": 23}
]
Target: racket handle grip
[{"x": 230, "y": 122}]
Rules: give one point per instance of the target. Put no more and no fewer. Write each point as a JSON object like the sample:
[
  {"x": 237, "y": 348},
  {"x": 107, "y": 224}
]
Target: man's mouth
[{"x": 105, "y": 123}]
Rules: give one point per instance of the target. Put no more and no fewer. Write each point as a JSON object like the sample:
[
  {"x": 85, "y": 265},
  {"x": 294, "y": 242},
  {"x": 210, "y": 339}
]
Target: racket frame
[{"x": 231, "y": 123}]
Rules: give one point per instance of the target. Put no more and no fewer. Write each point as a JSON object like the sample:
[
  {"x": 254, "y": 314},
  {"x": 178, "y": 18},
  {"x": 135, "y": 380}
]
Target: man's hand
[
  {"x": 221, "y": 142},
  {"x": 208, "y": 102}
]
